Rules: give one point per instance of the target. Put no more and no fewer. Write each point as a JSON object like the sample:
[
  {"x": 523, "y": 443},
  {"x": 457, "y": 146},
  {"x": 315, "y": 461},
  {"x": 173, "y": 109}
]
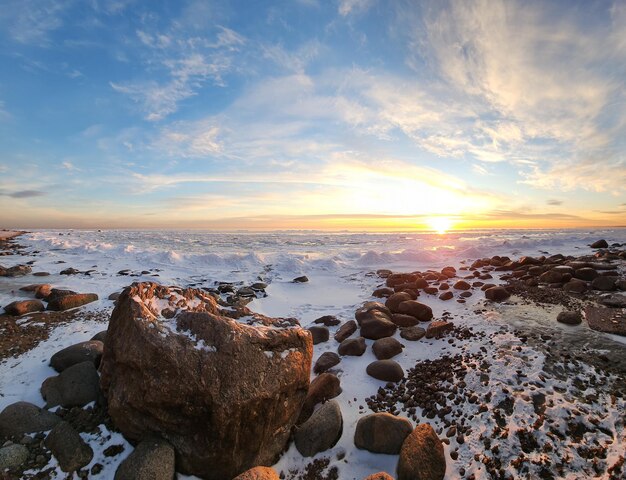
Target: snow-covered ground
[{"x": 340, "y": 270}]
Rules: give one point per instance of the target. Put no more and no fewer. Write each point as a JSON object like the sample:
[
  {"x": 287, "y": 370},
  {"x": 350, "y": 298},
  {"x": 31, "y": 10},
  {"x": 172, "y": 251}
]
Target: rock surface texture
[{"x": 223, "y": 393}]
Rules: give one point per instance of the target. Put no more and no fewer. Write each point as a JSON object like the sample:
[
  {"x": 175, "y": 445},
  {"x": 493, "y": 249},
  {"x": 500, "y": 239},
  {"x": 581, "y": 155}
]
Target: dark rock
[
  {"x": 394, "y": 301},
  {"x": 575, "y": 286},
  {"x": 71, "y": 301},
  {"x": 302, "y": 279},
  {"x": 90, "y": 351},
  {"x": 150, "y": 460},
  {"x": 497, "y": 294},
  {"x": 319, "y": 334},
  {"x": 345, "y": 330},
  {"x": 385, "y": 370},
  {"x": 404, "y": 320},
  {"x": 412, "y": 333},
  {"x": 114, "y": 296},
  {"x": 371, "y": 308},
  {"x": 569, "y": 318},
  {"x": 76, "y": 386},
  {"x": 383, "y": 273},
  {"x": 382, "y": 433},
  {"x": 600, "y": 244},
  {"x": 382, "y": 292},
  {"x": 68, "y": 447},
  {"x": 23, "y": 417},
  {"x": 234, "y": 412},
  {"x": 22, "y": 307},
  {"x": 12, "y": 456},
  {"x": 608, "y": 320},
  {"x": 446, "y": 296},
  {"x": 322, "y": 388},
  {"x": 387, "y": 347},
  {"x": 16, "y": 271},
  {"x": 377, "y": 326},
  {"x": 69, "y": 271},
  {"x": 327, "y": 321},
  {"x": 422, "y": 456},
  {"x": 586, "y": 273},
  {"x": 100, "y": 336},
  {"x": 615, "y": 301},
  {"x": 438, "y": 329},
  {"x": 352, "y": 346},
  {"x": 321, "y": 431},
  {"x": 326, "y": 361},
  {"x": 604, "y": 284},
  {"x": 416, "y": 309},
  {"x": 258, "y": 473},
  {"x": 462, "y": 285}
]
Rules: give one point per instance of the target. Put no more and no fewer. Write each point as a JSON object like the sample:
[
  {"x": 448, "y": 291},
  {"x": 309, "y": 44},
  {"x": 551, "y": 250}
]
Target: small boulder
[
  {"x": 462, "y": 285},
  {"x": 326, "y": 361},
  {"x": 438, "y": 329},
  {"x": 100, "y": 336},
  {"x": 385, "y": 370},
  {"x": 569, "y": 318},
  {"x": 23, "y": 417},
  {"x": 327, "y": 321},
  {"x": 404, "y": 320},
  {"x": 586, "y": 273},
  {"x": 422, "y": 456},
  {"x": 497, "y": 294},
  {"x": 67, "y": 302},
  {"x": 322, "y": 388},
  {"x": 321, "y": 431},
  {"x": 90, "y": 351},
  {"x": 371, "y": 308},
  {"x": 302, "y": 279},
  {"x": 600, "y": 244},
  {"x": 446, "y": 296},
  {"x": 394, "y": 301},
  {"x": 387, "y": 347},
  {"x": 151, "y": 459},
  {"x": 412, "y": 333},
  {"x": 603, "y": 283},
  {"x": 114, "y": 296},
  {"x": 379, "y": 476},
  {"x": 345, "y": 331},
  {"x": 383, "y": 292},
  {"x": 12, "y": 456},
  {"x": 69, "y": 271},
  {"x": 22, "y": 307},
  {"x": 68, "y": 447},
  {"x": 416, "y": 309},
  {"x": 319, "y": 334},
  {"x": 354, "y": 347},
  {"x": 258, "y": 473},
  {"x": 575, "y": 286},
  {"x": 74, "y": 387},
  {"x": 382, "y": 433},
  {"x": 377, "y": 326},
  {"x": 16, "y": 271}
]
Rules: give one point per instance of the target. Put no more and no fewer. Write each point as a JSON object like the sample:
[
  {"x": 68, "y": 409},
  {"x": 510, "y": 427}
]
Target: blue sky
[{"x": 312, "y": 114}]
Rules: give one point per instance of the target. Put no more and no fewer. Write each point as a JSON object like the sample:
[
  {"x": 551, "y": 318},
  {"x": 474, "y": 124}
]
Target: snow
[{"x": 340, "y": 270}]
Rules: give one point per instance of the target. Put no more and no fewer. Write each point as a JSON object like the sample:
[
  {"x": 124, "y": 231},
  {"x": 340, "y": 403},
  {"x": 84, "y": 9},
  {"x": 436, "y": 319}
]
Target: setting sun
[{"x": 440, "y": 224}]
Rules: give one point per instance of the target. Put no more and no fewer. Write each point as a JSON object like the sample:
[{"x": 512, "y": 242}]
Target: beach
[{"x": 509, "y": 391}]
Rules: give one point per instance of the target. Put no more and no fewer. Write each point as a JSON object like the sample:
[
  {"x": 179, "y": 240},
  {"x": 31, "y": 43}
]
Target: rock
[
  {"x": 68, "y": 447},
  {"x": 43, "y": 291},
  {"x": 114, "y": 296},
  {"x": 379, "y": 476},
  {"x": 422, "y": 456},
  {"x": 23, "y": 417},
  {"x": 258, "y": 473},
  {"x": 462, "y": 285},
  {"x": 621, "y": 284},
  {"x": 603, "y": 283},
  {"x": 302, "y": 279},
  {"x": 382, "y": 433},
  {"x": 69, "y": 271},
  {"x": 100, "y": 336},
  {"x": 71, "y": 301},
  {"x": 383, "y": 292},
  {"x": 327, "y": 321},
  {"x": 326, "y": 361},
  {"x": 352, "y": 346},
  {"x": 615, "y": 301},
  {"x": 404, "y": 320},
  {"x": 16, "y": 271},
  {"x": 551, "y": 276},
  {"x": 377, "y": 326},
  {"x": 575, "y": 286},
  {"x": 383, "y": 273},
  {"x": 319, "y": 334},
  {"x": 371, "y": 308},
  {"x": 22, "y": 307},
  {"x": 76, "y": 386},
  {"x": 150, "y": 460},
  {"x": 57, "y": 293},
  {"x": 396, "y": 279},
  {"x": 322, "y": 388},
  {"x": 226, "y": 399},
  {"x": 258, "y": 286},
  {"x": 438, "y": 329},
  {"x": 416, "y": 309},
  {"x": 394, "y": 301},
  {"x": 608, "y": 320},
  {"x": 387, "y": 347},
  {"x": 600, "y": 244},
  {"x": 90, "y": 351},
  {"x": 446, "y": 296},
  {"x": 345, "y": 331},
  {"x": 585, "y": 273},
  {"x": 12, "y": 456},
  {"x": 412, "y": 333},
  {"x": 569, "y": 318},
  {"x": 497, "y": 294},
  {"x": 321, "y": 431},
  {"x": 385, "y": 370}
]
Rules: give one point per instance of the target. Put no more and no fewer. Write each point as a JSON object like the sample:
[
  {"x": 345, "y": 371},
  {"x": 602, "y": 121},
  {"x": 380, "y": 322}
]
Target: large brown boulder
[
  {"x": 223, "y": 393},
  {"x": 22, "y": 307},
  {"x": 66, "y": 302},
  {"x": 422, "y": 456},
  {"x": 382, "y": 433}
]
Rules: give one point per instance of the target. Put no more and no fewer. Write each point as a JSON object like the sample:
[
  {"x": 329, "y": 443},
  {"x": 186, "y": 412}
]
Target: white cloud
[
  {"x": 347, "y": 7},
  {"x": 32, "y": 21}
]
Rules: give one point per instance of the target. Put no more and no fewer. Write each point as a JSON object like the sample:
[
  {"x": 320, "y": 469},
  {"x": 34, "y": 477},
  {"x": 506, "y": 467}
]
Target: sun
[{"x": 439, "y": 224}]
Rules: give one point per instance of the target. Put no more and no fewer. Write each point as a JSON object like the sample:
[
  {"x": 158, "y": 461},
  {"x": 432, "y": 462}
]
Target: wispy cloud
[
  {"x": 554, "y": 202},
  {"x": 347, "y": 7},
  {"x": 24, "y": 194},
  {"x": 32, "y": 21}
]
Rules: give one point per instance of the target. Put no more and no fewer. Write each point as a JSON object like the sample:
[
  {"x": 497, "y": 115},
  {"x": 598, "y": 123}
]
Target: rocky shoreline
[{"x": 501, "y": 399}]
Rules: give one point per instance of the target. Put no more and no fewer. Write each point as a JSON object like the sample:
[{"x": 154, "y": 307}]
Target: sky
[{"x": 312, "y": 114}]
